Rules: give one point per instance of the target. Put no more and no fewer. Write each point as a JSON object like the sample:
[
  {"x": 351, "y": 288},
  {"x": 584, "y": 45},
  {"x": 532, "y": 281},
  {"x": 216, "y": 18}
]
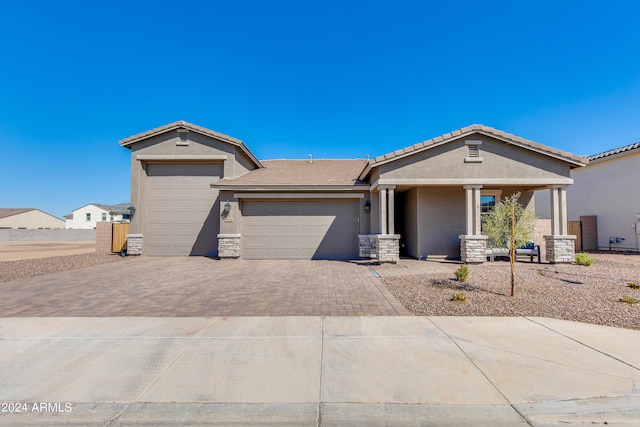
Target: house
[
  {"x": 199, "y": 192},
  {"x": 28, "y": 218},
  {"x": 88, "y": 215},
  {"x": 607, "y": 189}
]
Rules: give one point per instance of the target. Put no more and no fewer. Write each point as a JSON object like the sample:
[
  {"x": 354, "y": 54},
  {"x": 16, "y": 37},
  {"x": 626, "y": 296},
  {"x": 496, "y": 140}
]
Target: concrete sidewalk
[{"x": 317, "y": 371}]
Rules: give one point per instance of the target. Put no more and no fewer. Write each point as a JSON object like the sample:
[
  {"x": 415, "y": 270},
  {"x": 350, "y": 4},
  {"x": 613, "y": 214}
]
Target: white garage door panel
[
  {"x": 180, "y": 203},
  {"x": 300, "y": 230}
]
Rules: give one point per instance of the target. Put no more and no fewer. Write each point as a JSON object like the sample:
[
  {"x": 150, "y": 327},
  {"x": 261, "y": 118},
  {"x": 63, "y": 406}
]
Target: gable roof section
[
  {"x": 291, "y": 174},
  {"x": 574, "y": 160},
  {"x": 121, "y": 208},
  {"x": 620, "y": 150},
  {"x": 128, "y": 142},
  {"x": 7, "y": 212}
]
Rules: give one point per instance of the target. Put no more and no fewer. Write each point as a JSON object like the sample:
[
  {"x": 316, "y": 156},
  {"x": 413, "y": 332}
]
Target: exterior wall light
[
  {"x": 226, "y": 209},
  {"x": 367, "y": 206},
  {"x": 131, "y": 210}
]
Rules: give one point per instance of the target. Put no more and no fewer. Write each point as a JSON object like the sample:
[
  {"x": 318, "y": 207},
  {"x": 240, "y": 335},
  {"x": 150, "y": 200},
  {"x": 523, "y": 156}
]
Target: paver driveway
[{"x": 198, "y": 286}]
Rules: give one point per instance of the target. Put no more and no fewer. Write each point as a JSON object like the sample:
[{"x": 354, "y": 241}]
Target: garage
[
  {"x": 304, "y": 229},
  {"x": 183, "y": 210}
]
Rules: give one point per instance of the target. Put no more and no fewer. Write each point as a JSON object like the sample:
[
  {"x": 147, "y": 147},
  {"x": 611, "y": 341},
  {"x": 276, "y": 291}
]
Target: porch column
[
  {"x": 387, "y": 209},
  {"x": 387, "y": 242},
  {"x": 383, "y": 210},
  {"x": 472, "y": 204},
  {"x": 391, "y": 211},
  {"x": 560, "y": 246},
  {"x": 473, "y": 245}
]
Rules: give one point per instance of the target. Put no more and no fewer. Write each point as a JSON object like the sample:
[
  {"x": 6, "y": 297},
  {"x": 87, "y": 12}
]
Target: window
[
  {"x": 487, "y": 203},
  {"x": 488, "y": 200},
  {"x": 104, "y": 216},
  {"x": 88, "y": 216},
  {"x": 111, "y": 217}
]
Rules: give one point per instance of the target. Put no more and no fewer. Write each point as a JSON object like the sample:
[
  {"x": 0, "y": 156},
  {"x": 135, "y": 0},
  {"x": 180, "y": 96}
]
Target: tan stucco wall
[
  {"x": 410, "y": 218},
  {"x": 441, "y": 219},
  {"x": 499, "y": 160},
  {"x": 232, "y": 223},
  {"x": 31, "y": 219},
  {"x": 434, "y": 217},
  {"x": 609, "y": 190},
  {"x": 375, "y": 214}
]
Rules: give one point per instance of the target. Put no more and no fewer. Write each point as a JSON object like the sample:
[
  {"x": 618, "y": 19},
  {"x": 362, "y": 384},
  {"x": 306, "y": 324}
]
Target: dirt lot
[{"x": 13, "y": 251}]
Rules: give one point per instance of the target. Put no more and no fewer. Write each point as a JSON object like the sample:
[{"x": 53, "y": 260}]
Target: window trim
[{"x": 496, "y": 193}]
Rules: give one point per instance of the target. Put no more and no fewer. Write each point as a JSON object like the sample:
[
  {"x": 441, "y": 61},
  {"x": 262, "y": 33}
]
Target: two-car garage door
[{"x": 305, "y": 229}]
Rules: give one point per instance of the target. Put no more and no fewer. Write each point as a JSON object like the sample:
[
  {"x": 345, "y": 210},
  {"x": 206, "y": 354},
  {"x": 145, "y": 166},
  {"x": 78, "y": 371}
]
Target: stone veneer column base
[
  {"x": 229, "y": 246},
  {"x": 388, "y": 247},
  {"x": 560, "y": 249},
  {"x": 473, "y": 249},
  {"x": 367, "y": 247},
  {"x": 134, "y": 244}
]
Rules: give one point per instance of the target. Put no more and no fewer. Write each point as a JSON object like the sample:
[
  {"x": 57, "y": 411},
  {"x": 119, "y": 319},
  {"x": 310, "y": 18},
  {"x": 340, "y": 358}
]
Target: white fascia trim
[
  {"x": 298, "y": 195},
  {"x": 529, "y": 147},
  {"x": 221, "y": 186},
  {"x": 365, "y": 172},
  {"x": 479, "y": 181},
  {"x": 169, "y": 157}
]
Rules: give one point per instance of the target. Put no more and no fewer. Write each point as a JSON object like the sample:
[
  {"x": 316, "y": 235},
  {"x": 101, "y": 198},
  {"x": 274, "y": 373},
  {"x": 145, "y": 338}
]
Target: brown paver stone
[{"x": 198, "y": 286}]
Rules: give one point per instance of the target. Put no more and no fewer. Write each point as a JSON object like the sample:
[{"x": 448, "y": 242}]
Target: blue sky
[{"x": 339, "y": 79}]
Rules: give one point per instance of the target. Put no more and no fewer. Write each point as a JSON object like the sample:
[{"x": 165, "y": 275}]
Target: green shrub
[
  {"x": 462, "y": 273},
  {"x": 584, "y": 259},
  {"x": 458, "y": 297},
  {"x": 628, "y": 299},
  {"x": 633, "y": 285}
]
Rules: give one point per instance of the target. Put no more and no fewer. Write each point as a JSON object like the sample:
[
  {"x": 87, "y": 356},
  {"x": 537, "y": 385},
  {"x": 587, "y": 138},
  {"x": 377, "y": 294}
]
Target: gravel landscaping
[
  {"x": 571, "y": 292},
  {"x": 25, "y": 268}
]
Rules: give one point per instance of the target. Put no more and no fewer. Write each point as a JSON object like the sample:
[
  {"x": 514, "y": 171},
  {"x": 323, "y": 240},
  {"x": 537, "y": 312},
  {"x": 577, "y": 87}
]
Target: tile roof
[
  {"x": 127, "y": 142},
  {"x": 615, "y": 151},
  {"x": 300, "y": 173},
  {"x": 486, "y": 130},
  {"x": 7, "y": 212}
]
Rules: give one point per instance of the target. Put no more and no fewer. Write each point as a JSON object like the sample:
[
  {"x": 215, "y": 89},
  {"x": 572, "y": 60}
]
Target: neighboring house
[
  {"x": 88, "y": 215},
  {"x": 28, "y": 218},
  {"x": 198, "y": 192},
  {"x": 608, "y": 189}
]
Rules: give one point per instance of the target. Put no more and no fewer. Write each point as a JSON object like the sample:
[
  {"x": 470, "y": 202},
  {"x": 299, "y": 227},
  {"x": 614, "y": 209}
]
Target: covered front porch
[{"x": 445, "y": 221}]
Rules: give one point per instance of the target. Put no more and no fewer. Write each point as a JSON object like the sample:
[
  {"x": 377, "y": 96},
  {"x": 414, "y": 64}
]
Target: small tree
[{"x": 509, "y": 225}]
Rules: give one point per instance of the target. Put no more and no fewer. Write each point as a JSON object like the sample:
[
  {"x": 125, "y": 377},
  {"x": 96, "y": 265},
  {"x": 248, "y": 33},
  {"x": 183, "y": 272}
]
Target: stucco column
[
  {"x": 562, "y": 205},
  {"x": 468, "y": 203},
  {"x": 560, "y": 246},
  {"x": 472, "y": 205},
  {"x": 555, "y": 218},
  {"x": 383, "y": 210},
  {"x": 391, "y": 210},
  {"x": 558, "y": 210},
  {"x": 477, "y": 215}
]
